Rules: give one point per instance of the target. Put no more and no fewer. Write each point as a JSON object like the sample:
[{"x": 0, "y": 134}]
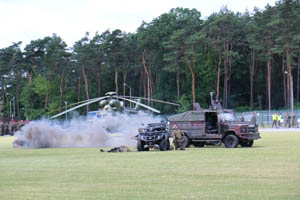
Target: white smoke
[{"x": 108, "y": 131}]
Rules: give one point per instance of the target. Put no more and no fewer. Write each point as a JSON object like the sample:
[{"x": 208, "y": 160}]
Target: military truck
[
  {"x": 153, "y": 135},
  {"x": 209, "y": 126}
]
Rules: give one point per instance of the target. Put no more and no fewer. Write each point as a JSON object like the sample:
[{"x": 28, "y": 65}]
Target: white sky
[{"x": 26, "y": 20}]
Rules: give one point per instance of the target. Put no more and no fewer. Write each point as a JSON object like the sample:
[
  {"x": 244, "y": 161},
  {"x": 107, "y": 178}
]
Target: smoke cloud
[{"x": 108, "y": 131}]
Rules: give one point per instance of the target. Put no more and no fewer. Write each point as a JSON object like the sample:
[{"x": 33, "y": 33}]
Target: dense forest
[{"x": 249, "y": 60}]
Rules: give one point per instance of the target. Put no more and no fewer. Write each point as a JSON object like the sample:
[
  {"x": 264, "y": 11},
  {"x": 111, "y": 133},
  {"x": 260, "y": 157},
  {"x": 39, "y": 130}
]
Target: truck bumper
[{"x": 250, "y": 136}]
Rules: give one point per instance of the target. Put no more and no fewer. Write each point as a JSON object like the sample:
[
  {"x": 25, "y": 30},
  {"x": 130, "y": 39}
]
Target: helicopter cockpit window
[{"x": 91, "y": 114}]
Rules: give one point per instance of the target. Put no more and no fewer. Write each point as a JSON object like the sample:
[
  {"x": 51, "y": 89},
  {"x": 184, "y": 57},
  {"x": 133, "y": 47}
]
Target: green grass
[{"x": 268, "y": 170}]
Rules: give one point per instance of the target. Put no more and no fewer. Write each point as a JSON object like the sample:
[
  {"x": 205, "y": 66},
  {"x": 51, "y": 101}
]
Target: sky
[{"x": 26, "y": 20}]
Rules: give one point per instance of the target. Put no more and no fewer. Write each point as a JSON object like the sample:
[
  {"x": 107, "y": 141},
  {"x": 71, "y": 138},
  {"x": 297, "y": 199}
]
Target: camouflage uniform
[
  {"x": 178, "y": 139},
  {"x": 288, "y": 121},
  {"x": 293, "y": 119},
  {"x": 1, "y": 128}
]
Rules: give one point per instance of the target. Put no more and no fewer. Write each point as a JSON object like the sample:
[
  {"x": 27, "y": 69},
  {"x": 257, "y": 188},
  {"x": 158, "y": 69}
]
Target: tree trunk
[
  {"x": 86, "y": 83},
  {"x": 177, "y": 84},
  {"x": 61, "y": 90},
  {"x": 284, "y": 83},
  {"x": 193, "y": 77},
  {"x": 288, "y": 59},
  {"x": 79, "y": 88},
  {"x": 30, "y": 77},
  {"x": 229, "y": 73},
  {"x": 298, "y": 76},
  {"x": 148, "y": 78},
  {"x": 99, "y": 80},
  {"x": 269, "y": 82},
  {"x": 252, "y": 70},
  {"x": 124, "y": 81},
  {"x": 4, "y": 89},
  {"x": 116, "y": 80},
  {"x": 225, "y": 85},
  {"x": 218, "y": 75},
  {"x": 17, "y": 99},
  {"x": 46, "y": 101},
  {"x": 30, "y": 71},
  {"x": 141, "y": 83}
]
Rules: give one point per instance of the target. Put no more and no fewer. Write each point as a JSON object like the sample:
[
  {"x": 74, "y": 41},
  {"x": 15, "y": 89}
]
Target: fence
[{"x": 264, "y": 117}]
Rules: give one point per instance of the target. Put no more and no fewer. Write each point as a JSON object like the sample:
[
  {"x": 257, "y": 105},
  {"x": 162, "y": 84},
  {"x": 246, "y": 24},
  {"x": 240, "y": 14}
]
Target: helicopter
[{"x": 112, "y": 104}]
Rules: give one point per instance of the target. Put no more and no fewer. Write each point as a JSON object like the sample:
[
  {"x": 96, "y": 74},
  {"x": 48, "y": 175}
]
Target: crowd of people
[{"x": 290, "y": 120}]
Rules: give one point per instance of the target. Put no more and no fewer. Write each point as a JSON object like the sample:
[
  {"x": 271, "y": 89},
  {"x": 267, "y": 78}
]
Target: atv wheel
[
  {"x": 186, "y": 142},
  {"x": 231, "y": 141},
  {"x": 199, "y": 144},
  {"x": 140, "y": 146},
  {"x": 163, "y": 145}
]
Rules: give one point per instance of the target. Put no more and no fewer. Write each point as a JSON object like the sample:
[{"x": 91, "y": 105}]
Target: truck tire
[
  {"x": 140, "y": 146},
  {"x": 163, "y": 145},
  {"x": 231, "y": 141},
  {"x": 186, "y": 141}
]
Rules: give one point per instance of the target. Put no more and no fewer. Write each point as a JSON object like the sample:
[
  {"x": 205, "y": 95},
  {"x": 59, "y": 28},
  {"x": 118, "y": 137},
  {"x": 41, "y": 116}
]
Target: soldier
[
  {"x": 293, "y": 118},
  {"x": 279, "y": 118},
  {"x": 288, "y": 120},
  {"x": 178, "y": 138},
  {"x": 274, "y": 120},
  {"x": 1, "y": 128},
  {"x": 12, "y": 127}
]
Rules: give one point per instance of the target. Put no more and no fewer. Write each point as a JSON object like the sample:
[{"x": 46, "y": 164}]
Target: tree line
[{"x": 250, "y": 60}]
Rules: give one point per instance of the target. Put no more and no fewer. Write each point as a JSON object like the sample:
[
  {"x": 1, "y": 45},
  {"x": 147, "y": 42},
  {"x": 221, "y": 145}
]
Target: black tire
[
  {"x": 163, "y": 145},
  {"x": 140, "y": 146},
  {"x": 231, "y": 141},
  {"x": 186, "y": 141},
  {"x": 199, "y": 144}
]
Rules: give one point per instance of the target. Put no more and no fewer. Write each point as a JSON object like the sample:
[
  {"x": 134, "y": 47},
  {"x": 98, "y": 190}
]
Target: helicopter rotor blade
[
  {"x": 79, "y": 106},
  {"x": 70, "y": 105},
  {"x": 140, "y": 104},
  {"x": 155, "y": 100}
]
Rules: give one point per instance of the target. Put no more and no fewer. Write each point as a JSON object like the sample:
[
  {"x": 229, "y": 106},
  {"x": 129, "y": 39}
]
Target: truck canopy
[{"x": 188, "y": 116}]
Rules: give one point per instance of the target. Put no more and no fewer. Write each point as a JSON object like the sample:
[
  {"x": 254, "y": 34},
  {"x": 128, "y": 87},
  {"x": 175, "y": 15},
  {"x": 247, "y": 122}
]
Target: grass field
[{"x": 268, "y": 170}]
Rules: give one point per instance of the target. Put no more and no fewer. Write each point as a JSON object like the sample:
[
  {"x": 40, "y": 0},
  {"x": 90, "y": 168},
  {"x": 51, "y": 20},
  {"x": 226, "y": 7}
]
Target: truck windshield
[{"x": 227, "y": 117}]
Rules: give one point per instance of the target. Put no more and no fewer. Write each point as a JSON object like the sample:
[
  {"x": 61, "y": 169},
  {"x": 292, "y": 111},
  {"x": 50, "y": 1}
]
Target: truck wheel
[
  {"x": 231, "y": 141},
  {"x": 140, "y": 146},
  {"x": 163, "y": 145},
  {"x": 186, "y": 142},
  {"x": 199, "y": 144}
]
